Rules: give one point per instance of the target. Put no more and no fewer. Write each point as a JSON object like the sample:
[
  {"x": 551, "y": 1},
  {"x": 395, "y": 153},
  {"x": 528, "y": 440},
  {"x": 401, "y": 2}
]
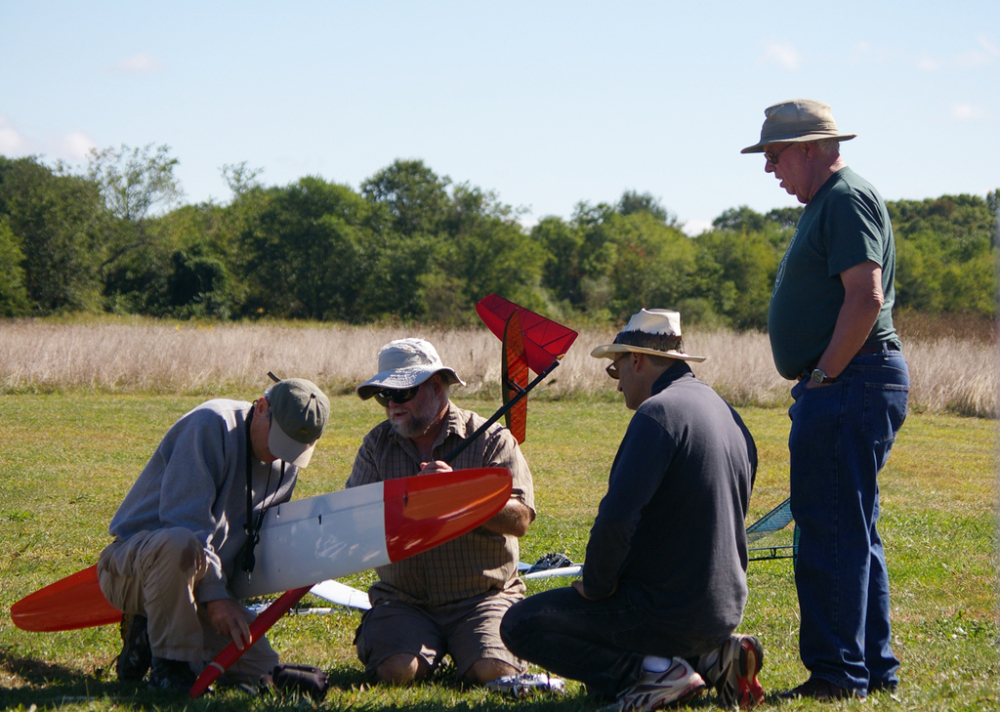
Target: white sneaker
[
  {"x": 732, "y": 670},
  {"x": 521, "y": 685},
  {"x": 654, "y": 690}
]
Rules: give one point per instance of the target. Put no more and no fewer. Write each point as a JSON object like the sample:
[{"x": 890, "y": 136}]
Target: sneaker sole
[{"x": 751, "y": 660}]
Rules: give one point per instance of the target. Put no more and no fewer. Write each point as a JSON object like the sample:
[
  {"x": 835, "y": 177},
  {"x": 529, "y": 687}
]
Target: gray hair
[{"x": 828, "y": 146}]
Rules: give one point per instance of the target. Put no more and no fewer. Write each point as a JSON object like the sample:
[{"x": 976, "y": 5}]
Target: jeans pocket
[{"x": 884, "y": 410}]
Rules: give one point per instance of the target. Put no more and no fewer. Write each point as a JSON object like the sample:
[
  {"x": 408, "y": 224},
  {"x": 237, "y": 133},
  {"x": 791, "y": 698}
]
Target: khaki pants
[{"x": 154, "y": 574}]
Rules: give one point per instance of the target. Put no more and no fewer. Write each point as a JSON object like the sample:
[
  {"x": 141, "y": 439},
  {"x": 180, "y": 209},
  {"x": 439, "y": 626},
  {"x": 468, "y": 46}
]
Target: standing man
[
  {"x": 664, "y": 580},
  {"x": 830, "y": 324},
  {"x": 448, "y": 600},
  {"x": 183, "y": 529}
]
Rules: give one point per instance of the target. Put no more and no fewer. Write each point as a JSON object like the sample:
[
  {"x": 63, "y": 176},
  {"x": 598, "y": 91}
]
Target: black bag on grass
[{"x": 305, "y": 680}]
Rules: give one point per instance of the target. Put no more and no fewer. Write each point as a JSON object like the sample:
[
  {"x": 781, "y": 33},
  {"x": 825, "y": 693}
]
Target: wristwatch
[{"x": 819, "y": 377}]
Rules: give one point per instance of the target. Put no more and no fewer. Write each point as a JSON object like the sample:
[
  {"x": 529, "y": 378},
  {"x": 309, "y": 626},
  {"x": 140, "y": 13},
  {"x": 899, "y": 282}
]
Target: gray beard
[{"x": 415, "y": 427}]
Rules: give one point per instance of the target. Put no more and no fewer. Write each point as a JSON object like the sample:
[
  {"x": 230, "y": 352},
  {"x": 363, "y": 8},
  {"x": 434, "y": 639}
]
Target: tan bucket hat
[
  {"x": 797, "y": 121},
  {"x": 652, "y": 331}
]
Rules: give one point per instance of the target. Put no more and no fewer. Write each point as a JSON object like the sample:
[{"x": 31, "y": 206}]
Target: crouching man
[
  {"x": 181, "y": 532},
  {"x": 664, "y": 580}
]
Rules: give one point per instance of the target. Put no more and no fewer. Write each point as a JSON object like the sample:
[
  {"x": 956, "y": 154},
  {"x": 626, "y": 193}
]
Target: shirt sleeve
[
  {"x": 192, "y": 477},
  {"x": 640, "y": 466},
  {"x": 502, "y": 451},
  {"x": 854, "y": 231}
]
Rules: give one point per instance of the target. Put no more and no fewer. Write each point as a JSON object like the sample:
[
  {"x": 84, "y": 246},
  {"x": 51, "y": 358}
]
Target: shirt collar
[{"x": 678, "y": 370}]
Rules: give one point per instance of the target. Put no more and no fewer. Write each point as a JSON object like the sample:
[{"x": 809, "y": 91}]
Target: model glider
[
  {"x": 544, "y": 339},
  {"x": 775, "y": 520},
  {"x": 557, "y": 564},
  {"x": 313, "y": 539},
  {"x": 513, "y": 323},
  {"x": 341, "y": 594}
]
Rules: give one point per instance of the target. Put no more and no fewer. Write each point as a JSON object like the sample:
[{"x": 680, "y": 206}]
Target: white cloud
[
  {"x": 75, "y": 146},
  {"x": 967, "y": 60},
  {"x": 964, "y": 112},
  {"x": 141, "y": 63},
  {"x": 971, "y": 59},
  {"x": 70, "y": 147},
  {"x": 991, "y": 49},
  {"x": 782, "y": 54},
  {"x": 12, "y": 143},
  {"x": 859, "y": 52},
  {"x": 696, "y": 226}
]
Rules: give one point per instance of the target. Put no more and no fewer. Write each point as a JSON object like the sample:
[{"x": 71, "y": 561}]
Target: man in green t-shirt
[{"x": 830, "y": 326}]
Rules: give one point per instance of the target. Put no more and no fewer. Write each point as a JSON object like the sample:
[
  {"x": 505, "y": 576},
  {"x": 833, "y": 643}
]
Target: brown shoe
[{"x": 823, "y": 690}]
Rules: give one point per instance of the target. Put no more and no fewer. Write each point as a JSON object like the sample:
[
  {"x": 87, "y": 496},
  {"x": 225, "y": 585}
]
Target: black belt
[
  {"x": 876, "y": 348},
  {"x": 866, "y": 350}
]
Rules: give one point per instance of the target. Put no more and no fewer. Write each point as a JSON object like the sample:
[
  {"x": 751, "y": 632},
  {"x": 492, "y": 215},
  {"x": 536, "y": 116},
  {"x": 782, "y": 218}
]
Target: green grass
[{"x": 67, "y": 460}]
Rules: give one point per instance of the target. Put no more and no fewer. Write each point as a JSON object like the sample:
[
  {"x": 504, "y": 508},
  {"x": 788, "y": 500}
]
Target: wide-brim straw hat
[
  {"x": 797, "y": 121},
  {"x": 405, "y": 363},
  {"x": 652, "y": 331}
]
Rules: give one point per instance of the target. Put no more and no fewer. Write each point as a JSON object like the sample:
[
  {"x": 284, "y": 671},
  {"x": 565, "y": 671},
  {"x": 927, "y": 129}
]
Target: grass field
[{"x": 67, "y": 460}]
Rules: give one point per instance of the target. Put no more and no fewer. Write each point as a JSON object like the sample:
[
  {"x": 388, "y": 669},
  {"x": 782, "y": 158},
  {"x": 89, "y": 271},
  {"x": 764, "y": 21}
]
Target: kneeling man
[{"x": 664, "y": 580}]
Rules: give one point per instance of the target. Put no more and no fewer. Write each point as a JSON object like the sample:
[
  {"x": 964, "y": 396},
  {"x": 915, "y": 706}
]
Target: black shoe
[
  {"x": 174, "y": 675},
  {"x": 134, "y": 659},
  {"x": 819, "y": 689}
]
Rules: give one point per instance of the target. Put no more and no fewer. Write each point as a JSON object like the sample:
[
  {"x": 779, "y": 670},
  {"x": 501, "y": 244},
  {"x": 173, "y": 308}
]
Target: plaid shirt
[{"x": 473, "y": 564}]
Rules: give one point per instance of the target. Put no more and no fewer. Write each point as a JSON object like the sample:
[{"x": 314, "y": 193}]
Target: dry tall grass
[{"x": 949, "y": 374}]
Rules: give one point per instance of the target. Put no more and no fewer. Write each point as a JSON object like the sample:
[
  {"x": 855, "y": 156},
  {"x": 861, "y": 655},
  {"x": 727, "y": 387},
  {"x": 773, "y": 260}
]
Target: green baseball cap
[{"x": 300, "y": 410}]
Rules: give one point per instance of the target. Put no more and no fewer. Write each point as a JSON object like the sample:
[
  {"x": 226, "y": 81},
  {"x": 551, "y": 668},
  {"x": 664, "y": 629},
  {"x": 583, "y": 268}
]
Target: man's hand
[
  {"x": 227, "y": 618},
  {"x": 435, "y": 466}
]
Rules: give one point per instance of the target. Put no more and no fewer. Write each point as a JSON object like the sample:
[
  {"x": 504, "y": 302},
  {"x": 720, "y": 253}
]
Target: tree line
[{"x": 411, "y": 245}]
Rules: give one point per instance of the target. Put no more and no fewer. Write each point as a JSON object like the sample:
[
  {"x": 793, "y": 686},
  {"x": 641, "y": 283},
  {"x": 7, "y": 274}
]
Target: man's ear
[{"x": 261, "y": 406}]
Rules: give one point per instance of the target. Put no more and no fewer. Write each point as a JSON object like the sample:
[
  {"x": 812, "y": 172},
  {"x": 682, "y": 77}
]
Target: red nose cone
[{"x": 424, "y": 511}]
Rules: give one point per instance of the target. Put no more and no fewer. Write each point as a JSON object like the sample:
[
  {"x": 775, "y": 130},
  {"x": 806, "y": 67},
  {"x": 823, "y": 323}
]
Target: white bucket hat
[
  {"x": 652, "y": 331},
  {"x": 797, "y": 121},
  {"x": 405, "y": 363}
]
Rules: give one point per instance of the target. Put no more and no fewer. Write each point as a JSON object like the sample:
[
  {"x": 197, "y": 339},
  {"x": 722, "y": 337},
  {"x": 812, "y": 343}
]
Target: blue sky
[{"x": 545, "y": 103}]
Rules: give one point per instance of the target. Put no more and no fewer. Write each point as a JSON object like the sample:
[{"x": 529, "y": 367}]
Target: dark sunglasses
[
  {"x": 396, "y": 395},
  {"x": 612, "y": 368}
]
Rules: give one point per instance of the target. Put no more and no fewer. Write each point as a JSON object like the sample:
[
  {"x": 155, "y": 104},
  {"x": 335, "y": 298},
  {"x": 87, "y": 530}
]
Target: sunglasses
[
  {"x": 772, "y": 157},
  {"x": 396, "y": 395},
  {"x": 612, "y": 368}
]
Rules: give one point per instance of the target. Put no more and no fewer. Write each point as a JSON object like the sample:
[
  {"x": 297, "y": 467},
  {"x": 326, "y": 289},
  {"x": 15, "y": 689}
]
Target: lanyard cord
[{"x": 253, "y": 524}]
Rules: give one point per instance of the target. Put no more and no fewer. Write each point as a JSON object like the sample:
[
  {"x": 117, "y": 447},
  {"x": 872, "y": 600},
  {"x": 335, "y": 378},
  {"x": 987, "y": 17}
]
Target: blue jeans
[
  {"x": 840, "y": 438},
  {"x": 600, "y": 643}
]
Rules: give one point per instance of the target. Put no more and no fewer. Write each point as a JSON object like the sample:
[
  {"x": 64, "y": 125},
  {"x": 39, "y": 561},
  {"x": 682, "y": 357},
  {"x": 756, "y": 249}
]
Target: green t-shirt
[{"x": 846, "y": 223}]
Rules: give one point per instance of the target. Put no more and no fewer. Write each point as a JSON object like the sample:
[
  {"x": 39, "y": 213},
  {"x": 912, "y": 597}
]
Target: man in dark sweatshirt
[{"x": 664, "y": 581}]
